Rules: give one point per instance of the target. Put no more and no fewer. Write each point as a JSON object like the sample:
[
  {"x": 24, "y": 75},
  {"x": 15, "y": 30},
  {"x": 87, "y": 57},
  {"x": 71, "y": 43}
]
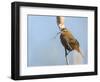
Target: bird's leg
[{"x": 66, "y": 56}]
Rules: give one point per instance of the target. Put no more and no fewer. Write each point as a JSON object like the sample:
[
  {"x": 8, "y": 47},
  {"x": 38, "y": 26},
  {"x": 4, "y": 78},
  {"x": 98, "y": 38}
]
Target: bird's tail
[{"x": 79, "y": 50}]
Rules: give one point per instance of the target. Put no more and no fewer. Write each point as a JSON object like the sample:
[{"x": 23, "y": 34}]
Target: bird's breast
[{"x": 67, "y": 35}]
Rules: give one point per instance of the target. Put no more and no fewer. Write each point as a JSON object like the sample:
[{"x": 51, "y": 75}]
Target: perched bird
[{"x": 69, "y": 42}]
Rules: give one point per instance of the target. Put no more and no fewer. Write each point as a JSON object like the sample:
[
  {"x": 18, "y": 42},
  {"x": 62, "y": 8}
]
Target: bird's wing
[
  {"x": 73, "y": 42},
  {"x": 65, "y": 43},
  {"x": 72, "y": 39}
]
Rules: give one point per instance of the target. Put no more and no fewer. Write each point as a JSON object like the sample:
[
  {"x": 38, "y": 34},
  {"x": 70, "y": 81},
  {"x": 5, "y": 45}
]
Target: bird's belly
[{"x": 66, "y": 44}]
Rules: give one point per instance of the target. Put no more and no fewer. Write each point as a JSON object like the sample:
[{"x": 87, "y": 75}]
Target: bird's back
[{"x": 67, "y": 38}]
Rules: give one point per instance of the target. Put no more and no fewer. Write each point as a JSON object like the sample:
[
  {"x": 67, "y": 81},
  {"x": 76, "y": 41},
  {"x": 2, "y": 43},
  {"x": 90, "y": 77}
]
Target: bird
[{"x": 69, "y": 42}]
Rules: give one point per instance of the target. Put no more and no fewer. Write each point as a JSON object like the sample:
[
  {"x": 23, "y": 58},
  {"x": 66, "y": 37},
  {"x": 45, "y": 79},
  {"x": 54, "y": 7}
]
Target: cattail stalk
[{"x": 60, "y": 22}]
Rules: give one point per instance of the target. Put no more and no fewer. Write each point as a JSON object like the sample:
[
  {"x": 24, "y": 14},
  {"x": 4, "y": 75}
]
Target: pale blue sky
[{"x": 43, "y": 48}]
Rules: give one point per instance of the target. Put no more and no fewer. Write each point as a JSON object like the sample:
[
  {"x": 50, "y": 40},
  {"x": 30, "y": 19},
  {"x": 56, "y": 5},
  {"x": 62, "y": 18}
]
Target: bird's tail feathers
[{"x": 81, "y": 53}]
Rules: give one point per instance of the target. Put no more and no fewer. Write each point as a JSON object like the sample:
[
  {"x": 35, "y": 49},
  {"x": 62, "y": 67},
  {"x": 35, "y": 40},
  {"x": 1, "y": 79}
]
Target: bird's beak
[{"x": 58, "y": 33}]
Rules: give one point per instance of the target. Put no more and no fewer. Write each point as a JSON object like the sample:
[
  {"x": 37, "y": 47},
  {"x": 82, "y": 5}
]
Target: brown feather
[{"x": 67, "y": 38}]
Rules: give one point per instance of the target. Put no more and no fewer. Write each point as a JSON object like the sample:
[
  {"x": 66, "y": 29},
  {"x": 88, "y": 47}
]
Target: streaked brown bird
[{"x": 68, "y": 41}]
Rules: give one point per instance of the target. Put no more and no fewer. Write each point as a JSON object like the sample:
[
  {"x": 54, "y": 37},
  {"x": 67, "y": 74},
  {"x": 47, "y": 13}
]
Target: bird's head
[{"x": 64, "y": 30}]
